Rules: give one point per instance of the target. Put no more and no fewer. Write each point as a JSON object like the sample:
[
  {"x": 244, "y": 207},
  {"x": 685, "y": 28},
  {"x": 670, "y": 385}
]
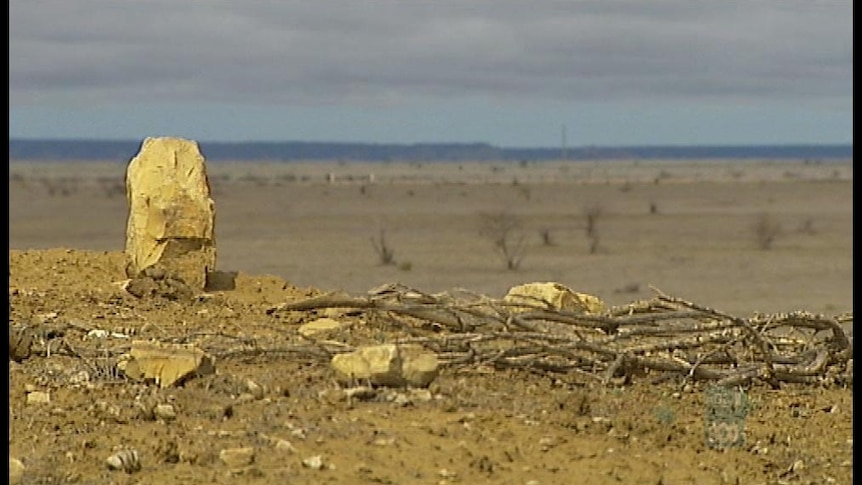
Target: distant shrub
[
  {"x": 504, "y": 229},
  {"x": 592, "y": 214},
  {"x": 385, "y": 253},
  {"x": 766, "y": 230},
  {"x": 547, "y": 238}
]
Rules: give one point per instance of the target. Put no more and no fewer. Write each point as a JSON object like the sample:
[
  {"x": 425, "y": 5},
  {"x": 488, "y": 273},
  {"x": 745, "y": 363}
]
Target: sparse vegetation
[
  {"x": 592, "y": 214},
  {"x": 523, "y": 190},
  {"x": 766, "y": 230},
  {"x": 62, "y": 186},
  {"x": 547, "y": 238},
  {"x": 505, "y": 230},
  {"x": 111, "y": 187},
  {"x": 385, "y": 253},
  {"x": 807, "y": 226},
  {"x": 405, "y": 266}
]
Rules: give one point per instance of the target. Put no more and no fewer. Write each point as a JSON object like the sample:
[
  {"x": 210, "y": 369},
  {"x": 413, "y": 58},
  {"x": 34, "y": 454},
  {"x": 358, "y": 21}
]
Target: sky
[{"x": 521, "y": 73}]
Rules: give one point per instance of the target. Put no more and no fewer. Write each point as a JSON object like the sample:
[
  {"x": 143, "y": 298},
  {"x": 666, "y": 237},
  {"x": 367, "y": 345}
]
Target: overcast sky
[{"x": 510, "y": 73}]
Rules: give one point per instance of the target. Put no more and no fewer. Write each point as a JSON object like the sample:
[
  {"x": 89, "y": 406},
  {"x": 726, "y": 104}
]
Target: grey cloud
[{"x": 377, "y": 52}]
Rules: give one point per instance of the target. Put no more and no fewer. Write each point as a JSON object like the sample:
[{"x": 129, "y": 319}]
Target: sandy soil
[{"x": 291, "y": 234}]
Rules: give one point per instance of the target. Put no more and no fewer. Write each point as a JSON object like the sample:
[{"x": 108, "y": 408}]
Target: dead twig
[{"x": 665, "y": 335}]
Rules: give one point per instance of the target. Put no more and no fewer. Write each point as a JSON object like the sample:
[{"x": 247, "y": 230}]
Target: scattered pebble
[
  {"x": 80, "y": 377},
  {"x": 314, "y": 462},
  {"x": 362, "y": 393},
  {"x": 383, "y": 441},
  {"x": 237, "y": 457},
  {"x": 255, "y": 389},
  {"x": 128, "y": 461},
  {"x": 16, "y": 471},
  {"x": 165, "y": 412},
  {"x": 284, "y": 445},
  {"x": 448, "y": 474},
  {"x": 38, "y": 397}
]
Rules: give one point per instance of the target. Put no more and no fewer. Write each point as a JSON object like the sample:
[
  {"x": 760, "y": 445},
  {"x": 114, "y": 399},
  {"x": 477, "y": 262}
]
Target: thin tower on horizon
[{"x": 564, "y": 148}]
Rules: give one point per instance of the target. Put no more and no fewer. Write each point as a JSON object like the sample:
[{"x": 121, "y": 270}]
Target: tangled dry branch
[
  {"x": 661, "y": 336},
  {"x": 657, "y": 338}
]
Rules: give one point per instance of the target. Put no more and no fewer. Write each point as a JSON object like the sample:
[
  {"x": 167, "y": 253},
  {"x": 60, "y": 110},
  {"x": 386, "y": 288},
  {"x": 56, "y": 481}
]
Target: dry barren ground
[
  {"x": 699, "y": 242},
  {"x": 474, "y": 424}
]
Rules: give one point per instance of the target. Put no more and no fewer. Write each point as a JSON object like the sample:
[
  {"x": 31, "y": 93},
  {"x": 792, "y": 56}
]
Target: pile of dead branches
[{"x": 662, "y": 337}]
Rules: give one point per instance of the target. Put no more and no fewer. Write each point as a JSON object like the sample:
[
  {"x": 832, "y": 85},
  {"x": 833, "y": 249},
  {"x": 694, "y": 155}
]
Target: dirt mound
[{"x": 272, "y": 412}]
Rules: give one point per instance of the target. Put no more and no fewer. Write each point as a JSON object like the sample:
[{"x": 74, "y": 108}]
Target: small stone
[
  {"x": 321, "y": 327},
  {"x": 38, "y": 397},
  {"x": 237, "y": 457},
  {"x": 401, "y": 399},
  {"x": 284, "y": 445},
  {"x": 127, "y": 460},
  {"x": 383, "y": 441},
  {"x": 418, "y": 366},
  {"x": 421, "y": 395},
  {"x": 445, "y": 473},
  {"x": 362, "y": 393},
  {"x": 554, "y": 296},
  {"x": 165, "y": 412},
  {"x": 314, "y": 462},
  {"x": 166, "y": 364},
  {"x": 547, "y": 443},
  {"x": 387, "y": 365},
  {"x": 255, "y": 389},
  {"x": 16, "y": 471},
  {"x": 80, "y": 377},
  {"x": 380, "y": 364}
]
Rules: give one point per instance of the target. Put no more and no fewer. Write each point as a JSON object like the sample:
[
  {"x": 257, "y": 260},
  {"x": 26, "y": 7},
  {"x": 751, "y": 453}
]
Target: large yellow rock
[
  {"x": 166, "y": 364},
  {"x": 171, "y": 214},
  {"x": 387, "y": 365},
  {"x": 553, "y": 296}
]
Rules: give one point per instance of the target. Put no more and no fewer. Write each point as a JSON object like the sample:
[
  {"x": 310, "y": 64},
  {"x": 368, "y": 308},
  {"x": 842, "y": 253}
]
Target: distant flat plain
[{"x": 688, "y": 228}]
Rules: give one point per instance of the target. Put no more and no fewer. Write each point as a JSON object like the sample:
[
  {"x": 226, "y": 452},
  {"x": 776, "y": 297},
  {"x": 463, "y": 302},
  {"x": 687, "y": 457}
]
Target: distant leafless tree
[
  {"x": 592, "y": 214},
  {"x": 766, "y": 229},
  {"x": 547, "y": 238},
  {"x": 505, "y": 231},
  {"x": 385, "y": 254}
]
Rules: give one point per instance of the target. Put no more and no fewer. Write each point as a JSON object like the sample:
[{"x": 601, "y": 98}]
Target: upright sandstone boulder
[{"x": 171, "y": 214}]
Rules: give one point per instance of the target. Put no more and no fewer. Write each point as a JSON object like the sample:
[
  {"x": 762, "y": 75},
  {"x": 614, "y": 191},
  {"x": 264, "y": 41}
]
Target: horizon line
[{"x": 420, "y": 143}]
